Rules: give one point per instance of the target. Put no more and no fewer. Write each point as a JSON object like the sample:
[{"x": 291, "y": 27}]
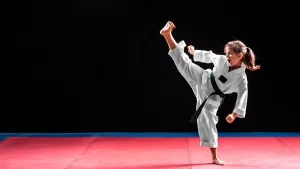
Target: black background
[{"x": 103, "y": 66}]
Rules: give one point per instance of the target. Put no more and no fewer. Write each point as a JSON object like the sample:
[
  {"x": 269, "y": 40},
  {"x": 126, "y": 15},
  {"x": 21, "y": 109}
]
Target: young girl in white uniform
[{"x": 229, "y": 75}]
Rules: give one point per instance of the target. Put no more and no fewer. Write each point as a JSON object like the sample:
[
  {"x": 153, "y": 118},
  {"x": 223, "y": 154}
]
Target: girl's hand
[
  {"x": 230, "y": 118},
  {"x": 191, "y": 49}
]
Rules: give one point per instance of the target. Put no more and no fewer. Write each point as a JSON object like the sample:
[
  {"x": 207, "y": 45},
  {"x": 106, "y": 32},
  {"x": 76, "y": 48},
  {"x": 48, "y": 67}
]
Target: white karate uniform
[{"x": 199, "y": 80}]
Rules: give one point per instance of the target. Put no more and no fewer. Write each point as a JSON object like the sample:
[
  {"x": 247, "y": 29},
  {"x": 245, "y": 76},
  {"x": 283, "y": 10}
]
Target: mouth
[{"x": 229, "y": 61}]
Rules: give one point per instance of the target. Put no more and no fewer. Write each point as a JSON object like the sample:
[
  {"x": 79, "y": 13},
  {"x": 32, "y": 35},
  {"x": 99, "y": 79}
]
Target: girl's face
[{"x": 234, "y": 59}]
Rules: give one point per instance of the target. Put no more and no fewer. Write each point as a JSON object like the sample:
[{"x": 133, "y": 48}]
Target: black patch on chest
[{"x": 222, "y": 79}]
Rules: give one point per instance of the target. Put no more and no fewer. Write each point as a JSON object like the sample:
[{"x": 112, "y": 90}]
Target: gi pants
[{"x": 199, "y": 81}]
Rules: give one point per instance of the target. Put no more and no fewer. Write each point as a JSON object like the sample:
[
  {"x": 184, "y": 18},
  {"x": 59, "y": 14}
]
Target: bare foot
[
  {"x": 167, "y": 29},
  {"x": 218, "y": 162}
]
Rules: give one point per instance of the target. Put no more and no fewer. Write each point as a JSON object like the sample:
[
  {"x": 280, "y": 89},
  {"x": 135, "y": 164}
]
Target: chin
[{"x": 232, "y": 64}]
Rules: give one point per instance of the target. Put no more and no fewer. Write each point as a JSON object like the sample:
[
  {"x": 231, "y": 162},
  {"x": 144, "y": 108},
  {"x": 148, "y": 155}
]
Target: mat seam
[
  {"x": 287, "y": 146},
  {"x": 189, "y": 152},
  {"x": 85, "y": 150}
]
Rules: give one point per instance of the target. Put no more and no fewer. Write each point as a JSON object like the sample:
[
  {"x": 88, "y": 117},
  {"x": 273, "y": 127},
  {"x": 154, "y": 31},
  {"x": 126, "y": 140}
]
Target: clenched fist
[
  {"x": 191, "y": 49},
  {"x": 230, "y": 118}
]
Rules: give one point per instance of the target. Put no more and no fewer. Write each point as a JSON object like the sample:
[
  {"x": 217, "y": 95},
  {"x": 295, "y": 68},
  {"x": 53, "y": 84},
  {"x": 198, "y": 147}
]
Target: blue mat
[{"x": 3, "y": 136}]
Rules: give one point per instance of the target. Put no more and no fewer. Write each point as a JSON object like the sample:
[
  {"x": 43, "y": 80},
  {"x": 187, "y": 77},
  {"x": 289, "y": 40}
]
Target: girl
[{"x": 228, "y": 75}]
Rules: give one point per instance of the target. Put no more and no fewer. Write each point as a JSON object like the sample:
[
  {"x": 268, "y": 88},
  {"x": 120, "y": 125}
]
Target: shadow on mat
[{"x": 165, "y": 166}]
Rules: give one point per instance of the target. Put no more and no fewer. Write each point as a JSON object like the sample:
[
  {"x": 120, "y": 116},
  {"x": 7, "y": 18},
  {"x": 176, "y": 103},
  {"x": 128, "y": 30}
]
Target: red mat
[
  {"x": 40, "y": 153},
  {"x": 147, "y": 153}
]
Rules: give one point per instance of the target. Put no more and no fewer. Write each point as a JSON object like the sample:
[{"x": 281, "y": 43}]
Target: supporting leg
[
  {"x": 215, "y": 158},
  {"x": 208, "y": 132}
]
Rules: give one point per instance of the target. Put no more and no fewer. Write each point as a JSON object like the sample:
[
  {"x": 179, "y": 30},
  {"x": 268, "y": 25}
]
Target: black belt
[{"x": 216, "y": 92}]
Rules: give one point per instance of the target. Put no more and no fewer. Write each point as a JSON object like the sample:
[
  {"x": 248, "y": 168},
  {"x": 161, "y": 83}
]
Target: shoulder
[
  {"x": 209, "y": 52},
  {"x": 219, "y": 58},
  {"x": 222, "y": 57}
]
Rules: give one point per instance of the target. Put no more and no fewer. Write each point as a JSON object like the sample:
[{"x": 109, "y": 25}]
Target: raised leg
[{"x": 166, "y": 32}]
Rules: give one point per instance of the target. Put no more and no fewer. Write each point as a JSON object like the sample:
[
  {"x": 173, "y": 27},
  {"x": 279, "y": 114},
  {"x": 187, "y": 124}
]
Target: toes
[
  {"x": 171, "y": 24},
  {"x": 167, "y": 28},
  {"x": 218, "y": 162}
]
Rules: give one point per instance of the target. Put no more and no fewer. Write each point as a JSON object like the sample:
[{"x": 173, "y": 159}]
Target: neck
[{"x": 231, "y": 68}]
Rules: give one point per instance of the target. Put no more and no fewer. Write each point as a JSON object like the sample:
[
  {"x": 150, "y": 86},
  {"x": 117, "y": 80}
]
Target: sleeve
[
  {"x": 241, "y": 101},
  {"x": 208, "y": 57},
  {"x": 189, "y": 70}
]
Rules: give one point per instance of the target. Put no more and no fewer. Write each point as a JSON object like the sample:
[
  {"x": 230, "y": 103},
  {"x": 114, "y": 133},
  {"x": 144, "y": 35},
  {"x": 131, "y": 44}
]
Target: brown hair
[{"x": 248, "y": 55}]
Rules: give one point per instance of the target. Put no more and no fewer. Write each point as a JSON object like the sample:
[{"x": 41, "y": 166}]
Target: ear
[{"x": 240, "y": 56}]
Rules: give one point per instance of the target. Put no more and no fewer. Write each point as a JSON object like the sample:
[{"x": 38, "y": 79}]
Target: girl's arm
[
  {"x": 205, "y": 56},
  {"x": 241, "y": 103}
]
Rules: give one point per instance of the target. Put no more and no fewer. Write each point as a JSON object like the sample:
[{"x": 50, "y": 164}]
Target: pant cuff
[
  {"x": 180, "y": 46},
  {"x": 209, "y": 144}
]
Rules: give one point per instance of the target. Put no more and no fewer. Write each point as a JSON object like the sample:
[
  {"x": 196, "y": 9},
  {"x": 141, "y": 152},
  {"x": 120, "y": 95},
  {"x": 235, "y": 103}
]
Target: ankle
[{"x": 166, "y": 34}]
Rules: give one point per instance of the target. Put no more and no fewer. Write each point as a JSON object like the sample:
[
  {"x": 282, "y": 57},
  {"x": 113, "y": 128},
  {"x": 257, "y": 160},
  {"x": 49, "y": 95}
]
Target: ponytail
[{"x": 249, "y": 60}]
